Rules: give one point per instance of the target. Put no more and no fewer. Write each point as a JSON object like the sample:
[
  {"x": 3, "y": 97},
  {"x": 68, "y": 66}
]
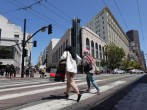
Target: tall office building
[
  {"x": 106, "y": 26},
  {"x": 133, "y": 36}
]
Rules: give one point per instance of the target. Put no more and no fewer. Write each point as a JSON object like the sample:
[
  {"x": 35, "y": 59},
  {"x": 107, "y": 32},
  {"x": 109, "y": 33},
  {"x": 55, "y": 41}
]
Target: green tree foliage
[
  {"x": 103, "y": 62},
  {"x": 114, "y": 55},
  {"x": 134, "y": 64},
  {"x": 124, "y": 64}
]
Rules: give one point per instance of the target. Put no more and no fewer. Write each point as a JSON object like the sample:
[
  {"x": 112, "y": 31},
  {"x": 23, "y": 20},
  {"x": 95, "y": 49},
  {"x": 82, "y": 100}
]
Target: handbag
[
  {"x": 97, "y": 72},
  {"x": 88, "y": 66},
  {"x": 60, "y": 73},
  {"x": 62, "y": 65}
]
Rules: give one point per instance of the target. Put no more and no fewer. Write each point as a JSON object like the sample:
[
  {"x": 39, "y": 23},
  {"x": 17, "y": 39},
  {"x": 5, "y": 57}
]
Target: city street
[{"x": 38, "y": 93}]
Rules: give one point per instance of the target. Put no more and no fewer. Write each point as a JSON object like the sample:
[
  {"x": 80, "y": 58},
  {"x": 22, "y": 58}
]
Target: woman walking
[
  {"x": 71, "y": 69},
  {"x": 88, "y": 59}
]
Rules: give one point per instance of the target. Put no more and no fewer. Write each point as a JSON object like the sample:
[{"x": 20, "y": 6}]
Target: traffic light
[
  {"x": 25, "y": 52},
  {"x": 35, "y": 44},
  {"x": 50, "y": 29}
]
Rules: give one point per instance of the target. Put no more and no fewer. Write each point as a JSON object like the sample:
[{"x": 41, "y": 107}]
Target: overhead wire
[
  {"x": 58, "y": 9},
  {"x": 121, "y": 15},
  {"x": 54, "y": 12},
  {"x": 28, "y": 8},
  {"x": 140, "y": 23}
]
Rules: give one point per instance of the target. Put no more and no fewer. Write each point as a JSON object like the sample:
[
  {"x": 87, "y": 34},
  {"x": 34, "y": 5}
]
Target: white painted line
[
  {"x": 58, "y": 104},
  {"x": 25, "y": 87},
  {"x": 56, "y": 83},
  {"x": 7, "y": 96}
]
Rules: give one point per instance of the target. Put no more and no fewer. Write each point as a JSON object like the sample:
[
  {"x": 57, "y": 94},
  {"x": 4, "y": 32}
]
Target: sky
[{"x": 130, "y": 14}]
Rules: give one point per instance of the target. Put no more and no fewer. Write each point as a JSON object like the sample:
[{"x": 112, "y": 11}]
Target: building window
[
  {"x": 96, "y": 45},
  {"x": 0, "y": 33},
  {"x": 87, "y": 44},
  {"x": 92, "y": 48},
  {"x": 100, "y": 50},
  {"x": 16, "y": 36},
  {"x": 66, "y": 42},
  {"x": 7, "y": 52},
  {"x": 59, "y": 53},
  {"x": 64, "y": 46},
  {"x": 61, "y": 49}
]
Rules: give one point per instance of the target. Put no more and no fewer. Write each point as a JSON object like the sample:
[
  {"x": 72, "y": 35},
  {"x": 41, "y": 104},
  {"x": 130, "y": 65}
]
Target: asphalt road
[{"x": 39, "y": 93}]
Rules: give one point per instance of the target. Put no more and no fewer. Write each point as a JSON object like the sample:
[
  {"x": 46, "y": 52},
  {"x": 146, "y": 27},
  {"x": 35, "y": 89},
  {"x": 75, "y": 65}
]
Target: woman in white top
[{"x": 72, "y": 60}]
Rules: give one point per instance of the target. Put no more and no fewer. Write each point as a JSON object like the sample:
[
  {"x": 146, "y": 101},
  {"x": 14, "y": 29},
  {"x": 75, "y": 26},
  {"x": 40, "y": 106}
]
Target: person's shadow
[{"x": 61, "y": 96}]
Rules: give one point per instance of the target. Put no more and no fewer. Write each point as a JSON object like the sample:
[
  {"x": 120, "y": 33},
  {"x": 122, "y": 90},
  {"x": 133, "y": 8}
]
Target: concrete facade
[
  {"x": 106, "y": 26},
  {"x": 55, "y": 53},
  {"x": 11, "y": 35}
]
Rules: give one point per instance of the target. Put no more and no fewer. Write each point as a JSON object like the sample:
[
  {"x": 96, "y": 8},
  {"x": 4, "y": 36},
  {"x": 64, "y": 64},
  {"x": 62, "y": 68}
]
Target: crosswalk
[{"x": 37, "y": 94}]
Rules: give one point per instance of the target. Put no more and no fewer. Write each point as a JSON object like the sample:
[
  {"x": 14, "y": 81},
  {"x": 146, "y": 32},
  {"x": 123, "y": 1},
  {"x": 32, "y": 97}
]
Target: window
[
  {"x": 61, "y": 49},
  {"x": 100, "y": 50},
  {"x": 64, "y": 46},
  {"x": 59, "y": 53},
  {"x": 96, "y": 50},
  {"x": 87, "y": 44},
  {"x": 92, "y": 48},
  {"x": 6, "y": 52},
  {"x": 16, "y": 36},
  {"x": 0, "y": 33},
  {"x": 66, "y": 42}
]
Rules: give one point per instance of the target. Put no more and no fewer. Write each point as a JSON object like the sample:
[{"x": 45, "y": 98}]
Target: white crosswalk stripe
[
  {"x": 39, "y": 90},
  {"x": 38, "y": 87},
  {"x": 61, "y": 103}
]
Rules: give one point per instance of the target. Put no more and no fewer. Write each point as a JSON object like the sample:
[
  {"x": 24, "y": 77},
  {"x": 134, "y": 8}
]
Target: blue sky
[{"x": 59, "y": 13}]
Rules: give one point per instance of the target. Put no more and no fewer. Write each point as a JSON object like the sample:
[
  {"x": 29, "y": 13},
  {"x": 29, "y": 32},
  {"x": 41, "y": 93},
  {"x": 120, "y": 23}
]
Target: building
[
  {"x": 106, "y": 26},
  {"x": 80, "y": 39},
  {"x": 11, "y": 37},
  {"x": 133, "y": 36}
]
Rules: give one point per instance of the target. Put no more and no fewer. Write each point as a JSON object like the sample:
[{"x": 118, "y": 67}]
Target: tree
[
  {"x": 124, "y": 64},
  {"x": 114, "y": 55},
  {"x": 134, "y": 64}
]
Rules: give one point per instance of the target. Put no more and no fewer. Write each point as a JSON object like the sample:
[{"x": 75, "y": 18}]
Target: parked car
[
  {"x": 133, "y": 71},
  {"x": 118, "y": 71},
  {"x": 52, "y": 72}
]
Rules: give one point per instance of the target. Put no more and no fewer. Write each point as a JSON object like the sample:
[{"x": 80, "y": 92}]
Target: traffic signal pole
[
  {"x": 23, "y": 47},
  {"x": 24, "y": 42}
]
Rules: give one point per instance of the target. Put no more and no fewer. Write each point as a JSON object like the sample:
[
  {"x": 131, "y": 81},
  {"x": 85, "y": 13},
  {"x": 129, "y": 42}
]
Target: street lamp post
[{"x": 24, "y": 42}]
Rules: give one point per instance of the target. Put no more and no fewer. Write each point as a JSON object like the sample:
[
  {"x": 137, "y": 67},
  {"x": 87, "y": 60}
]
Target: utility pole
[{"x": 23, "y": 47}]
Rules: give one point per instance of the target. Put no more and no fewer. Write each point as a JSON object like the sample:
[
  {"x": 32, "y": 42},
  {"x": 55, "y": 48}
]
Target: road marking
[
  {"x": 7, "y": 96},
  {"x": 25, "y": 87},
  {"x": 56, "y": 83},
  {"x": 58, "y": 104}
]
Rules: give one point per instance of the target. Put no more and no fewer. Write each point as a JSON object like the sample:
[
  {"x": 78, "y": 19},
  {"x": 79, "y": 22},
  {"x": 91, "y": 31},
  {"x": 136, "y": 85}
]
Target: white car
[
  {"x": 136, "y": 71},
  {"x": 118, "y": 71}
]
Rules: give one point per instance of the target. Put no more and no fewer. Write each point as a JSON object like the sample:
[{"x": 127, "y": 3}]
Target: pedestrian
[
  {"x": 12, "y": 70},
  {"x": 71, "y": 69},
  {"x": 27, "y": 72},
  {"x": 88, "y": 59},
  {"x": 7, "y": 69}
]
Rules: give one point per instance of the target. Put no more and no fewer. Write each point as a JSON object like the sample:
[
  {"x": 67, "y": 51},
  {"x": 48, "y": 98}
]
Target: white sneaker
[{"x": 99, "y": 92}]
